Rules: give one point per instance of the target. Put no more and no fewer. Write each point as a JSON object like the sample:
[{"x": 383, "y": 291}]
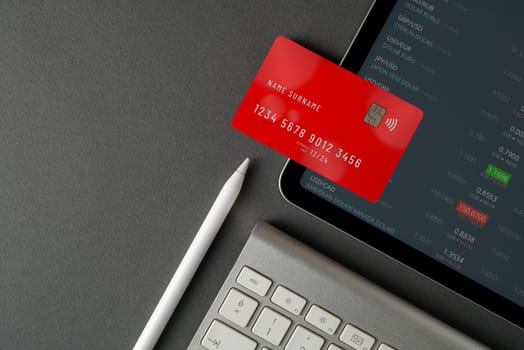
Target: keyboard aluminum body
[{"x": 303, "y": 300}]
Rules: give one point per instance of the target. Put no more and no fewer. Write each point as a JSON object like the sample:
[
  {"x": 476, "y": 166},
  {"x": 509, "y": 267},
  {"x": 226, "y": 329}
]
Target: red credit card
[{"x": 327, "y": 119}]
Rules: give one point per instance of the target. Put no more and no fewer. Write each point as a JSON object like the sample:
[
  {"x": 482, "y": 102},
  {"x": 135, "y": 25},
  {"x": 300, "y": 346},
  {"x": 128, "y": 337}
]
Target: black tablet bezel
[{"x": 293, "y": 192}]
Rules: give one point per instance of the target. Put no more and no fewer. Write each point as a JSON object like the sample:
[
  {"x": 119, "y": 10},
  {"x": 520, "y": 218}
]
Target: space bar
[{"x": 222, "y": 337}]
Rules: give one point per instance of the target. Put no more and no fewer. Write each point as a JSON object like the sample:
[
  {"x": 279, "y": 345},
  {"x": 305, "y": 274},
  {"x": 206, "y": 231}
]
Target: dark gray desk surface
[{"x": 115, "y": 138}]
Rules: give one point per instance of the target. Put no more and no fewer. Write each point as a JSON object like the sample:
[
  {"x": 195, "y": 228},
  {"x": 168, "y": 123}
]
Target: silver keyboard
[{"x": 281, "y": 294}]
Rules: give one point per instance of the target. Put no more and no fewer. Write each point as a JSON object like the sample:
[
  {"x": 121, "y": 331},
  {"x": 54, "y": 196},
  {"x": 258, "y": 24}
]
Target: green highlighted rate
[{"x": 498, "y": 174}]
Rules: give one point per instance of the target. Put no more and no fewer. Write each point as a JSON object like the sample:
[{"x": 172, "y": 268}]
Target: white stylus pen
[{"x": 194, "y": 255}]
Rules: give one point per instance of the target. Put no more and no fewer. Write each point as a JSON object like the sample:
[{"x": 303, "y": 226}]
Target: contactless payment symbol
[{"x": 391, "y": 123}]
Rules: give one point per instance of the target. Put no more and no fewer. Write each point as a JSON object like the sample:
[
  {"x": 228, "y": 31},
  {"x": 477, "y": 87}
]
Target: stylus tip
[{"x": 243, "y": 167}]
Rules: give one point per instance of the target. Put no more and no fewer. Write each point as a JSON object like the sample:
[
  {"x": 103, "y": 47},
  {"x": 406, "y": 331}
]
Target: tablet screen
[{"x": 457, "y": 195}]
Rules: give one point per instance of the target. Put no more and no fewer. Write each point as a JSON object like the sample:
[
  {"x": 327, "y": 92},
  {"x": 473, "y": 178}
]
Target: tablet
[{"x": 454, "y": 207}]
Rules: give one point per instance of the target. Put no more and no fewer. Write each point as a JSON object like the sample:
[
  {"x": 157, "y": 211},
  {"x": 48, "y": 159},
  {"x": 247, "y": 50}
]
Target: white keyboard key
[
  {"x": 222, "y": 337},
  {"x": 304, "y": 339},
  {"x": 334, "y": 347},
  {"x": 385, "y": 347},
  {"x": 288, "y": 300},
  {"x": 323, "y": 320},
  {"x": 238, "y": 308},
  {"x": 356, "y": 338},
  {"x": 271, "y": 326},
  {"x": 254, "y": 281}
]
